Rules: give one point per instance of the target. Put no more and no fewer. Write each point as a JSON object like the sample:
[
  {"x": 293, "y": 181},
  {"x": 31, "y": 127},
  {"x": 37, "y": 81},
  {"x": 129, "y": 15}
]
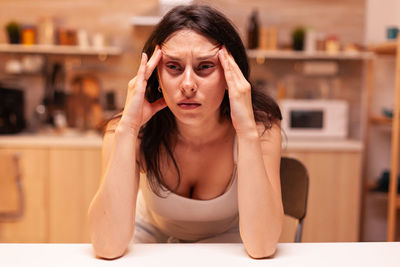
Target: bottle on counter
[
  {"x": 54, "y": 96},
  {"x": 253, "y": 30}
]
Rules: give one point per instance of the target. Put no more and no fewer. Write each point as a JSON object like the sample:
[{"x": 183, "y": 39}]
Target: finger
[
  {"x": 234, "y": 67},
  {"x": 236, "y": 78},
  {"x": 141, "y": 76},
  {"x": 153, "y": 62},
  {"x": 222, "y": 58},
  {"x": 131, "y": 83},
  {"x": 226, "y": 66}
]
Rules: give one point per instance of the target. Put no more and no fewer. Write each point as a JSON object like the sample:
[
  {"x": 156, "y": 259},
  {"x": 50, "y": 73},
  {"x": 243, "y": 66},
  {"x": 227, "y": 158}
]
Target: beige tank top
[{"x": 190, "y": 219}]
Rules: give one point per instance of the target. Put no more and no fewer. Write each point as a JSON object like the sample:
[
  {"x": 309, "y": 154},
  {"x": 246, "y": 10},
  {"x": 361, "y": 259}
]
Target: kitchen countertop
[
  {"x": 322, "y": 145},
  {"x": 94, "y": 140},
  {"x": 25, "y": 140},
  {"x": 201, "y": 255}
]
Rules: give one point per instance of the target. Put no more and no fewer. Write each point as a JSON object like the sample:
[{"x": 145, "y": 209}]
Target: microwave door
[{"x": 306, "y": 119}]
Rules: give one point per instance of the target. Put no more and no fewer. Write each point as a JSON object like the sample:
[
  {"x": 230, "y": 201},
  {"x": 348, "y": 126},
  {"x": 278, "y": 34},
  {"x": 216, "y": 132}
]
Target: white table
[{"x": 204, "y": 255}]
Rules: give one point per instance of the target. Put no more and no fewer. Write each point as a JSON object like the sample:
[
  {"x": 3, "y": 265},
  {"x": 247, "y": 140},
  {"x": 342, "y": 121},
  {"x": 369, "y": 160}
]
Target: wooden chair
[
  {"x": 294, "y": 184},
  {"x": 11, "y": 193}
]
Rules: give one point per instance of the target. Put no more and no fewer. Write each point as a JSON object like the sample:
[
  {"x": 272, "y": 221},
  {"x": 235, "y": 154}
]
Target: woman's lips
[{"x": 188, "y": 106}]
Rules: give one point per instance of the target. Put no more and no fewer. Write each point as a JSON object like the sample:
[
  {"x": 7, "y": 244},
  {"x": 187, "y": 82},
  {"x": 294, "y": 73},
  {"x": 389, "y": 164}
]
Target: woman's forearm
[
  {"x": 260, "y": 204},
  {"x": 112, "y": 211}
]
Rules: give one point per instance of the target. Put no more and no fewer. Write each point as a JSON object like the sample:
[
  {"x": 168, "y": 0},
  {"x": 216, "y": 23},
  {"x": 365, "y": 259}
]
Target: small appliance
[
  {"x": 315, "y": 118},
  {"x": 12, "y": 118}
]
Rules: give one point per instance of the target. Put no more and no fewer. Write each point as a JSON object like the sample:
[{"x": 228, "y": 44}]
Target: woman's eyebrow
[
  {"x": 171, "y": 57},
  {"x": 205, "y": 57}
]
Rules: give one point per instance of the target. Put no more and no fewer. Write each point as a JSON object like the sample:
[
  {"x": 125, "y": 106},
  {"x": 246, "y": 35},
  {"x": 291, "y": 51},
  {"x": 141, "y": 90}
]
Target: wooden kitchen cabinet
[
  {"x": 59, "y": 182},
  {"x": 333, "y": 211},
  {"x": 33, "y": 226},
  {"x": 75, "y": 175}
]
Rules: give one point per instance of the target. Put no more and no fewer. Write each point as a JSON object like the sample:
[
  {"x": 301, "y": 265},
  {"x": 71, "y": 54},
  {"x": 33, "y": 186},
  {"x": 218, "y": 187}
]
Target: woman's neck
[{"x": 204, "y": 133}]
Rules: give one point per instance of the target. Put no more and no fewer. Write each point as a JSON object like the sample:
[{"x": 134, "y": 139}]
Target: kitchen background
[{"x": 98, "y": 82}]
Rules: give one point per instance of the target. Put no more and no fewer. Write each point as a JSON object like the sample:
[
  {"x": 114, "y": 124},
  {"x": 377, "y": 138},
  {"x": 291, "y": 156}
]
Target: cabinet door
[
  {"x": 74, "y": 179},
  {"x": 333, "y": 210},
  {"x": 32, "y": 227}
]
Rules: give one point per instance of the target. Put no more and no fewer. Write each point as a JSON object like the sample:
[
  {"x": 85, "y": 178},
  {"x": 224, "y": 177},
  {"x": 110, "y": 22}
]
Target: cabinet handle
[{"x": 6, "y": 216}]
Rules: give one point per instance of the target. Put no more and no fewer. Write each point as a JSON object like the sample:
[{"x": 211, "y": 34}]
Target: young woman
[{"x": 195, "y": 154}]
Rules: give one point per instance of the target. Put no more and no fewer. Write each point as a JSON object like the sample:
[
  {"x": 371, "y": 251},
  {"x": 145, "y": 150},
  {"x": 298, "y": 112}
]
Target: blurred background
[{"x": 65, "y": 66}]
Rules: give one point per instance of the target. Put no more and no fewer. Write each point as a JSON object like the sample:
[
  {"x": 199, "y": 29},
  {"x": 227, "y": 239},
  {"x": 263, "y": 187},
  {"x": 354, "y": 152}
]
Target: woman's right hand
[{"x": 138, "y": 110}]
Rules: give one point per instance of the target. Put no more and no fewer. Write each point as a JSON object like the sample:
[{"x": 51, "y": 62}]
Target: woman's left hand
[{"x": 239, "y": 90}]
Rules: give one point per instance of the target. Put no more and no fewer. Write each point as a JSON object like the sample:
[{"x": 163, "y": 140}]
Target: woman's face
[{"x": 191, "y": 77}]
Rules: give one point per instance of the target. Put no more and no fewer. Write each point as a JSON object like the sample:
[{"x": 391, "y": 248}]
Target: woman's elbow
[
  {"x": 262, "y": 252},
  {"x": 263, "y": 246},
  {"x": 108, "y": 252},
  {"x": 109, "y": 244}
]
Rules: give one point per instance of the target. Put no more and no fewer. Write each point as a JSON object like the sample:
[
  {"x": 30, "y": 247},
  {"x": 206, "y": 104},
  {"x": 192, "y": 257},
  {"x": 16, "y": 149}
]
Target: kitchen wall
[
  {"x": 380, "y": 14},
  {"x": 111, "y": 18},
  {"x": 345, "y": 18}
]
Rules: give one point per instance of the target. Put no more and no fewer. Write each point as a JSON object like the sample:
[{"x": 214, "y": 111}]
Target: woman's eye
[
  {"x": 174, "y": 67},
  {"x": 205, "y": 67}
]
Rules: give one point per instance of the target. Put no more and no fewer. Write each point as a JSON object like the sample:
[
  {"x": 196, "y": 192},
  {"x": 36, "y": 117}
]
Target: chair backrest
[
  {"x": 294, "y": 184},
  {"x": 11, "y": 193}
]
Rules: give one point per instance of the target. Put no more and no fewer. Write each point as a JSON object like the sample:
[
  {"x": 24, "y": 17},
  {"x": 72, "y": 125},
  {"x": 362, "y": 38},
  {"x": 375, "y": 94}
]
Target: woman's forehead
[{"x": 188, "y": 41}]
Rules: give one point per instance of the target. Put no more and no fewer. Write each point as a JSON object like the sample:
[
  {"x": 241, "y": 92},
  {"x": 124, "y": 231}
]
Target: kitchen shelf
[
  {"x": 388, "y": 48},
  {"x": 289, "y": 54},
  {"x": 384, "y": 196},
  {"x": 60, "y": 50},
  {"x": 381, "y": 120},
  {"x": 370, "y": 187}
]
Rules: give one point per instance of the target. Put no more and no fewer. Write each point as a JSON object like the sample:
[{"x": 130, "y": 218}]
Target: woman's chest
[{"x": 204, "y": 174}]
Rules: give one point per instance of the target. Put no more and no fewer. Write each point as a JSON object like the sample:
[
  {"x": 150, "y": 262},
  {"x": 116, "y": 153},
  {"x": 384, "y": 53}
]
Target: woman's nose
[{"x": 188, "y": 86}]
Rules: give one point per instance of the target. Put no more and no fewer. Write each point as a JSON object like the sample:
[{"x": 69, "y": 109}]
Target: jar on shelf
[
  {"x": 332, "y": 44},
  {"x": 46, "y": 31},
  {"x": 28, "y": 35}
]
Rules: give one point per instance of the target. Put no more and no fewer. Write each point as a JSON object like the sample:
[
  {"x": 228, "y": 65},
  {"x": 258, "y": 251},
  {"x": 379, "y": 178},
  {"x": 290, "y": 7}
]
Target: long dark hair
[{"x": 155, "y": 134}]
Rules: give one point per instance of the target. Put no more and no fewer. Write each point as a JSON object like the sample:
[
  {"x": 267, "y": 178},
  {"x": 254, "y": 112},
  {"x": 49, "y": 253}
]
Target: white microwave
[{"x": 315, "y": 118}]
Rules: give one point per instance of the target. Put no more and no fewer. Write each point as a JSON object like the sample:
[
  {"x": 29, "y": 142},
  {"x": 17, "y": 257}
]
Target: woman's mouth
[{"x": 188, "y": 106}]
